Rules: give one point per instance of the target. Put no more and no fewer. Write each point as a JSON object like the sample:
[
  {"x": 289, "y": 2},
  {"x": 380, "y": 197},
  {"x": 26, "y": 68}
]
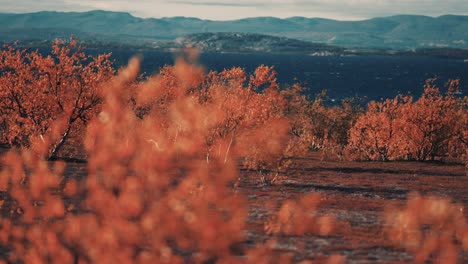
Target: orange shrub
[
  {"x": 248, "y": 107},
  {"x": 157, "y": 186},
  {"x": 299, "y": 218},
  {"x": 430, "y": 122},
  {"x": 375, "y": 134},
  {"x": 331, "y": 124},
  {"x": 37, "y": 91},
  {"x": 428, "y": 226},
  {"x": 404, "y": 129},
  {"x": 297, "y": 112}
]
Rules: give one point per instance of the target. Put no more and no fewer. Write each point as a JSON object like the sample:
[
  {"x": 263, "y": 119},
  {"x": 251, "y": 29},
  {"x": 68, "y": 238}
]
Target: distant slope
[
  {"x": 406, "y": 31},
  {"x": 249, "y": 42}
]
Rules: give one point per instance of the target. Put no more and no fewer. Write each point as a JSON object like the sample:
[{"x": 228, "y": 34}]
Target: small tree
[
  {"x": 458, "y": 145},
  {"x": 37, "y": 90},
  {"x": 430, "y": 122},
  {"x": 331, "y": 124},
  {"x": 373, "y": 137}
]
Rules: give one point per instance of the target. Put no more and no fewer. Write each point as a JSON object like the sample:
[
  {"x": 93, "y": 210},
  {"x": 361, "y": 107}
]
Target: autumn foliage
[
  {"x": 300, "y": 217},
  {"x": 163, "y": 154},
  {"x": 39, "y": 92},
  {"x": 405, "y": 128},
  {"x": 428, "y": 226}
]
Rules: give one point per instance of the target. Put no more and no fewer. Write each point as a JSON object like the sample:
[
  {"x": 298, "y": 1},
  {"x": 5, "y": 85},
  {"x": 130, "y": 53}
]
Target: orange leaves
[
  {"x": 263, "y": 78},
  {"x": 329, "y": 125},
  {"x": 263, "y": 148},
  {"x": 130, "y": 198},
  {"x": 39, "y": 90},
  {"x": 299, "y": 218},
  {"x": 428, "y": 226},
  {"x": 228, "y": 108},
  {"x": 166, "y": 174},
  {"x": 147, "y": 180},
  {"x": 54, "y": 208},
  {"x": 430, "y": 123},
  {"x": 71, "y": 188},
  {"x": 37, "y": 209},
  {"x": 235, "y": 77},
  {"x": 373, "y": 135}
]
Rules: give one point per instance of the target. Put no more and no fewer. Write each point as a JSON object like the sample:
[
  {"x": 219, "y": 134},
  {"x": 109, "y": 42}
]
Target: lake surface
[{"x": 372, "y": 76}]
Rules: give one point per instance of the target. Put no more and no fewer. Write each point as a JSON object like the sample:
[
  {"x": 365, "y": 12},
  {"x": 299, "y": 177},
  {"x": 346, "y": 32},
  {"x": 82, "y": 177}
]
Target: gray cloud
[{"x": 229, "y": 9}]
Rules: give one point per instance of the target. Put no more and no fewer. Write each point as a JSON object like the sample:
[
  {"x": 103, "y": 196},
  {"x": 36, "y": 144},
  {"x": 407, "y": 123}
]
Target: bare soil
[{"x": 356, "y": 193}]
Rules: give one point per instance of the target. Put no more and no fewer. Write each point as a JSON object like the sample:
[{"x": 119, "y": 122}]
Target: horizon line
[{"x": 242, "y": 18}]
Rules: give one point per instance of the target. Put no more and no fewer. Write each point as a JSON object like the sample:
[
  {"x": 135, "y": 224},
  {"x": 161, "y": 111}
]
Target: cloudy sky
[{"x": 227, "y": 9}]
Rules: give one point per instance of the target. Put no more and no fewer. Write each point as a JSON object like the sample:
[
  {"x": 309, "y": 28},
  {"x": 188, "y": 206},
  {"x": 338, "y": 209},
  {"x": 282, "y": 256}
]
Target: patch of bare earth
[{"x": 356, "y": 193}]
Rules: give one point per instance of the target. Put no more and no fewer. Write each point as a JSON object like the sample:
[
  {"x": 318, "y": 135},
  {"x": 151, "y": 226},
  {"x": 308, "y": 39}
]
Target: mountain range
[{"x": 395, "y": 32}]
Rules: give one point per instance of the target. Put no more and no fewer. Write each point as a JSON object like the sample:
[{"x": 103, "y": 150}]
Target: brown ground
[{"x": 355, "y": 193}]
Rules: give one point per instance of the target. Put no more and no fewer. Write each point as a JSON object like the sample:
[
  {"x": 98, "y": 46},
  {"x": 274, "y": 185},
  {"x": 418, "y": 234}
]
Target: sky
[{"x": 235, "y": 9}]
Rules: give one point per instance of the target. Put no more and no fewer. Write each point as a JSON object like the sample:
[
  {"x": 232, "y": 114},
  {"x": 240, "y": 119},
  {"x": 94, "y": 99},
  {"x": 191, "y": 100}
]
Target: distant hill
[
  {"x": 249, "y": 42},
  {"x": 404, "y": 32}
]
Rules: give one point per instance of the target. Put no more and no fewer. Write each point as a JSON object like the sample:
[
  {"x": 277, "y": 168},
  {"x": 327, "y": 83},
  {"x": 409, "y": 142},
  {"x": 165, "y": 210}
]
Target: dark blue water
[{"x": 374, "y": 77}]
